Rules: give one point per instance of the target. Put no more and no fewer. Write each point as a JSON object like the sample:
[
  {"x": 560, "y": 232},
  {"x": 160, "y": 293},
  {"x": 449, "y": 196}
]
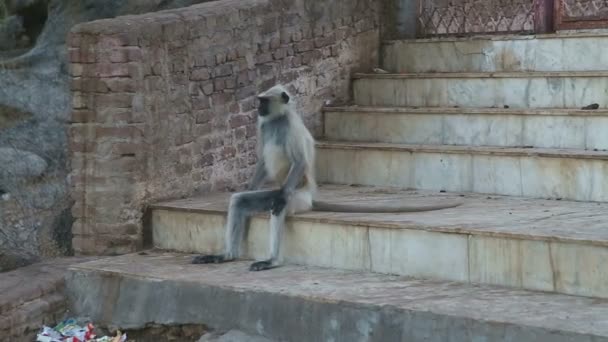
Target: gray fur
[{"x": 286, "y": 154}]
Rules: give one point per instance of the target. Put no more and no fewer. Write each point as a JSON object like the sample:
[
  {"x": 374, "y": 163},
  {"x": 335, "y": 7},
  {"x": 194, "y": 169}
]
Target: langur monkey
[{"x": 286, "y": 155}]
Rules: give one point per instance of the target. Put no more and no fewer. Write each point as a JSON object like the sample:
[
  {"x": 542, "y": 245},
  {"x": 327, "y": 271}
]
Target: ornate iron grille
[
  {"x": 585, "y": 8},
  {"x": 462, "y": 17},
  {"x": 581, "y": 14}
]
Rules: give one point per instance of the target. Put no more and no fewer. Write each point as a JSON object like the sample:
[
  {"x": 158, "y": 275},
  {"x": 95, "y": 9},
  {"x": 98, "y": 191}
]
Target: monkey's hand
[{"x": 278, "y": 203}]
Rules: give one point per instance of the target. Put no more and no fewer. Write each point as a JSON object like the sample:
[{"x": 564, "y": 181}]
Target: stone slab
[
  {"x": 516, "y": 90},
  {"x": 295, "y": 303},
  {"x": 546, "y": 128},
  {"x": 578, "y": 175},
  {"x": 568, "y": 241},
  {"x": 556, "y": 52}
]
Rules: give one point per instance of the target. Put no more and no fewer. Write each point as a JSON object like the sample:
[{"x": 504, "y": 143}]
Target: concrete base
[
  {"x": 555, "y": 246},
  {"x": 529, "y": 172},
  {"x": 555, "y": 52},
  {"x": 516, "y": 90},
  {"x": 545, "y": 128},
  {"x": 305, "y": 304}
]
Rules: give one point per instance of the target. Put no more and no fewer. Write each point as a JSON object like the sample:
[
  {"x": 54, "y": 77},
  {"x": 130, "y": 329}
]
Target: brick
[
  {"x": 263, "y": 58},
  {"x": 200, "y": 102},
  {"x": 251, "y": 131},
  {"x": 80, "y": 101},
  {"x": 220, "y": 58},
  {"x": 128, "y": 149},
  {"x": 324, "y": 41},
  {"x": 222, "y": 70},
  {"x": 203, "y": 130},
  {"x": 305, "y": 45},
  {"x": 245, "y": 92},
  {"x": 76, "y": 69},
  {"x": 114, "y": 115},
  {"x": 116, "y": 229},
  {"x": 220, "y": 99},
  {"x": 219, "y": 84},
  {"x": 266, "y": 84},
  {"x": 74, "y": 40},
  {"x": 275, "y": 43},
  {"x": 118, "y": 56},
  {"x": 232, "y": 55},
  {"x": 113, "y": 41},
  {"x": 230, "y": 82},
  {"x": 134, "y": 54},
  {"x": 111, "y": 70},
  {"x": 243, "y": 79},
  {"x": 207, "y": 88},
  {"x": 240, "y": 133},
  {"x": 263, "y": 47},
  {"x": 269, "y": 25},
  {"x": 119, "y": 85},
  {"x": 206, "y": 160},
  {"x": 203, "y": 116},
  {"x": 194, "y": 89},
  {"x": 228, "y": 152},
  {"x": 247, "y": 104},
  {"x": 280, "y": 53},
  {"x": 200, "y": 75},
  {"x": 81, "y": 147},
  {"x": 238, "y": 121},
  {"x": 114, "y": 100},
  {"x": 126, "y": 132},
  {"x": 81, "y": 116}
]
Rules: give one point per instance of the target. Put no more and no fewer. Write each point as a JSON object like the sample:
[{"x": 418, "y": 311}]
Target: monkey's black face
[{"x": 264, "y": 107}]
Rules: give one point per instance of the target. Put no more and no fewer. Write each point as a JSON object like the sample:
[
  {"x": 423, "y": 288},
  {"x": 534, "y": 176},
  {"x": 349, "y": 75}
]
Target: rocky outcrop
[{"x": 35, "y": 218}]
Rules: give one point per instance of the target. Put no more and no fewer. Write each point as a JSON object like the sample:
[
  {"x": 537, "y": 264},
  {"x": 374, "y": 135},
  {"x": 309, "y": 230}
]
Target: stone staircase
[{"x": 493, "y": 122}]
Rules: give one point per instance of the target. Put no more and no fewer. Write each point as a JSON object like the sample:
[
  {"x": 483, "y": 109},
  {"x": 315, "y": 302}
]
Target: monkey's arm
[
  {"x": 296, "y": 172},
  {"x": 259, "y": 176}
]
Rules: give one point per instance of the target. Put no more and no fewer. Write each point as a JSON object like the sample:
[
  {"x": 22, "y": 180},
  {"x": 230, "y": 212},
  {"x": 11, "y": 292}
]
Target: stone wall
[
  {"x": 163, "y": 104},
  {"x": 31, "y": 297}
]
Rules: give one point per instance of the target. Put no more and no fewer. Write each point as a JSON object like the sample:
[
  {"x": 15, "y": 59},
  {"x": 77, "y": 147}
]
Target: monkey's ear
[{"x": 285, "y": 97}]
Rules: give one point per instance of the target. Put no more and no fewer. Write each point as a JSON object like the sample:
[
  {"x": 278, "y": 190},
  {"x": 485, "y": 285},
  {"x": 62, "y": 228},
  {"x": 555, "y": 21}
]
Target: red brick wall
[{"x": 163, "y": 103}]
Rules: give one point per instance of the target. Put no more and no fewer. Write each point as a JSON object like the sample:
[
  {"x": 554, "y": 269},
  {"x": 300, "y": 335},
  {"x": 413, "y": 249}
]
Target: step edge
[
  {"x": 498, "y": 37},
  {"x": 92, "y": 268},
  {"x": 466, "y": 149},
  {"x": 465, "y": 111},
  {"x": 456, "y": 230},
  {"x": 490, "y": 75}
]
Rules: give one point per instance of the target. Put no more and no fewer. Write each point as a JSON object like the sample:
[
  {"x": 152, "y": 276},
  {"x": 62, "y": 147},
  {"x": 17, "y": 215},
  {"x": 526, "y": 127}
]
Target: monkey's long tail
[{"x": 381, "y": 208}]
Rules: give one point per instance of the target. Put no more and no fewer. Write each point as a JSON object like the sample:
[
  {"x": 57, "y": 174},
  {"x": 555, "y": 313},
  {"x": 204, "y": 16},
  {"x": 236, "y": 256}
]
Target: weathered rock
[
  {"x": 10, "y": 28},
  {"x": 15, "y": 163},
  {"x": 10, "y": 116},
  {"x": 36, "y": 218}
]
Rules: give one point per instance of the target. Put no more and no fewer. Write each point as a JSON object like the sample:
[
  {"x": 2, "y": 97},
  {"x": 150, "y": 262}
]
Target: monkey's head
[{"x": 273, "y": 102}]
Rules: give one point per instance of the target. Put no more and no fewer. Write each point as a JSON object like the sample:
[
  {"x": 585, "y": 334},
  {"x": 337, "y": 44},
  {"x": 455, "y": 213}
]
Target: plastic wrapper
[{"x": 70, "y": 331}]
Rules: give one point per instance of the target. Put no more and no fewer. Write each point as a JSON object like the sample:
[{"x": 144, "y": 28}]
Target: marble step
[
  {"x": 305, "y": 304},
  {"x": 554, "y": 246},
  {"x": 554, "y": 52},
  {"x": 579, "y": 175},
  {"x": 546, "y": 128},
  {"x": 513, "y": 89}
]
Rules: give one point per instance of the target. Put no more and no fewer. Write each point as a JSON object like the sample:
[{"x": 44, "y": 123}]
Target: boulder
[{"x": 20, "y": 164}]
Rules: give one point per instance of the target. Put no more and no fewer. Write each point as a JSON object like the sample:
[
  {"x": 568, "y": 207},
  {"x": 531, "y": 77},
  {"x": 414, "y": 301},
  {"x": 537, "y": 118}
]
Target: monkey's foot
[
  {"x": 262, "y": 265},
  {"x": 208, "y": 259}
]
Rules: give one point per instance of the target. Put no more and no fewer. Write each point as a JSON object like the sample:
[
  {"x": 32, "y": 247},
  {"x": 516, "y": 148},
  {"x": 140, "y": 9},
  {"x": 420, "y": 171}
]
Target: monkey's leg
[
  {"x": 242, "y": 205},
  {"x": 277, "y": 226}
]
